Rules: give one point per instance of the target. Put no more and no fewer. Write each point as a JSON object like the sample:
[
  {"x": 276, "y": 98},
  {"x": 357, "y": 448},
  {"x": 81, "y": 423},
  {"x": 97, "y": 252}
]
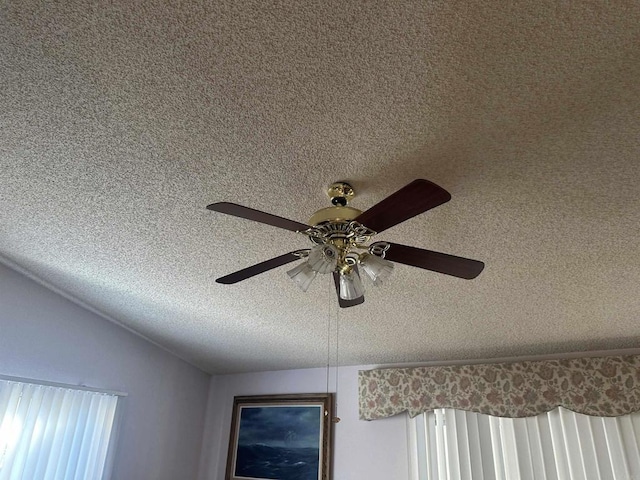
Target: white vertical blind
[
  {"x": 53, "y": 433},
  {"x": 457, "y": 445}
]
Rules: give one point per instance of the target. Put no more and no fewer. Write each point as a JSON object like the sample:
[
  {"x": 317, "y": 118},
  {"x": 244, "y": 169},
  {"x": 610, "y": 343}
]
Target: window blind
[
  {"x": 452, "y": 444},
  {"x": 51, "y": 432}
]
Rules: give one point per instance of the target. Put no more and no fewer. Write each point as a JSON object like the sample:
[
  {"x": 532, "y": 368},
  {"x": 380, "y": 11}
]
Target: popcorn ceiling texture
[{"x": 122, "y": 120}]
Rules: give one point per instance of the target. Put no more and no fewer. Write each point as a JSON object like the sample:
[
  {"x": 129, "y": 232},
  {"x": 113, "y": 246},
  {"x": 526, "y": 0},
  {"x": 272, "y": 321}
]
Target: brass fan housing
[
  {"x": 340, "y": 193},
  {"x": 334, "y": 214}
]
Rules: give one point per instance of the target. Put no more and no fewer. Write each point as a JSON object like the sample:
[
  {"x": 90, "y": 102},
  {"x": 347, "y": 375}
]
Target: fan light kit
[{"x": 341, "y": 237}]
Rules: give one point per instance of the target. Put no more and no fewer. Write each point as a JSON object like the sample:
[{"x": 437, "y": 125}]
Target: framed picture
[{"x": 281, "y": 437}]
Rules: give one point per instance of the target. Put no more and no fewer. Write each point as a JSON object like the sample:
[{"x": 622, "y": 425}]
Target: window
[
  {"x": 54, "y": 432},
  {"x": 452, "y": 444}
]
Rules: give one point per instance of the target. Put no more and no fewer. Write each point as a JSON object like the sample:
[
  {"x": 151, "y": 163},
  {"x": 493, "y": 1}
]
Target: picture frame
[{"x": 283, "y": 437}]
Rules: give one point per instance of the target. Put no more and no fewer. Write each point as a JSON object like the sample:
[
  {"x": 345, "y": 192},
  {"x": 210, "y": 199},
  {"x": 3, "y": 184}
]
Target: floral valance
[{"x": 601, "y": 386}]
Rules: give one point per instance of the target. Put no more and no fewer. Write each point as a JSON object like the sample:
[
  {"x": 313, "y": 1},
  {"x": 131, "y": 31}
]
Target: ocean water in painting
[{"x": 279, "y": 443}]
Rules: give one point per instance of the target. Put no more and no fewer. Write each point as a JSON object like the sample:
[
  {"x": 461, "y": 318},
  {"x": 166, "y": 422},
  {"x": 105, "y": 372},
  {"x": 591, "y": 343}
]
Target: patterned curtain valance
[{"x": 601, "y": 386}]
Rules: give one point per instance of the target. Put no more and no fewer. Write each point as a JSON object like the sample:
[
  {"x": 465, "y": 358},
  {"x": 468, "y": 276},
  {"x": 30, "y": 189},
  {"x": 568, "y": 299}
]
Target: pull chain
[
  {"x": 336, "y": 418},
  {"x": 328, "y": 343}
]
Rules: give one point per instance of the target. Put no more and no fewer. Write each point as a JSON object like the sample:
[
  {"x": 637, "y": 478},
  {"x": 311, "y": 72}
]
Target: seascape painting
[
  {"x": 279, "y": 442},
  {"x": 281, "y": 437}
]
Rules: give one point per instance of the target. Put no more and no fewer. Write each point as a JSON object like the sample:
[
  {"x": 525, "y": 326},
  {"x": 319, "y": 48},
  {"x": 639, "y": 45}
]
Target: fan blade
[
  {"x": 411, "y": 200},
  {"x": 257, "y": 216},
  {"x": 345, "y": 303},
  {"x": 434, "y": 261},
  {"x": 257, "y": 269}
]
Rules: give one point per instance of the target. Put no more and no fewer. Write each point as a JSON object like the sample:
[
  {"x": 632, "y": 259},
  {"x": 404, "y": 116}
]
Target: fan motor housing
[{"x": 334, "y": 214}]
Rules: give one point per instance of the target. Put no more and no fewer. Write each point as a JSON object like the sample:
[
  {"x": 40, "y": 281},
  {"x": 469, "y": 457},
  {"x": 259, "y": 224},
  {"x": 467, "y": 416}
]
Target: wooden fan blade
[
  {"x": 417, "y": 197},
  {"x": 258, "y": 268},
  {"x": 257, "y": 216},
  {"x": 345, "y": 303},
  {"x": 434, "y": 261}
]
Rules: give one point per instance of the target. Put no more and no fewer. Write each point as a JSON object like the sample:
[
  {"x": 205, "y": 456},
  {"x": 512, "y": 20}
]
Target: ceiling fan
[{"x": 341, "y": 234}]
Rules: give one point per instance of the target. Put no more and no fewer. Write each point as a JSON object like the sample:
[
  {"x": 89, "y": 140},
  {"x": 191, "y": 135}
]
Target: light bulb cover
[
  {"x": 303, "y": 275},
  {"x": 351, "y": 286},
  {"x": 323, "y": 258},
  {"x": 377, "y": 269}
]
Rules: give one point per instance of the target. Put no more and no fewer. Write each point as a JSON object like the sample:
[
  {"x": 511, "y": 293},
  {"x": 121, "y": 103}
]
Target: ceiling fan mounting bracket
[{"x": 340, "y": 193}]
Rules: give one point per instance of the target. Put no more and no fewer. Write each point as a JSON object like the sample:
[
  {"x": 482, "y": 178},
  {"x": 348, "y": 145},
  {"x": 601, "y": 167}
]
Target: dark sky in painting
[{"x": 291, "y": 427}]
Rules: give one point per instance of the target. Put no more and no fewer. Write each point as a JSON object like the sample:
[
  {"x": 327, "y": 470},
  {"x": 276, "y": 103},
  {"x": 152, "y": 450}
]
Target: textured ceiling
[{"x": 120, "y": 121}]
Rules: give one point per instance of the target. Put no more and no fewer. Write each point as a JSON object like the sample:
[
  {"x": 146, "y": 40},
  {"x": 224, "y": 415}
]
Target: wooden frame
[{"x": 281, "y": 436}]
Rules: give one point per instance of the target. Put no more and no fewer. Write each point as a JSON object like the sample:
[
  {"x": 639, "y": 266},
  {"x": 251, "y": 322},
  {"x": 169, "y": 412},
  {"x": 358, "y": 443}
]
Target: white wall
[
  {"x": 44, "y": 336},
  {"x": 362, "y": 450}
]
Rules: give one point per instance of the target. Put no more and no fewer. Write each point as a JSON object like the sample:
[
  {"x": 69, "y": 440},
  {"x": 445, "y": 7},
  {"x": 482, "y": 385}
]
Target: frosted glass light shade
[
  {"x": 323, "y": 258},
  {"x": 378, "y": 269},
  {"x": 351, "y": 286},
  {"x": 303, "y": 275}
]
